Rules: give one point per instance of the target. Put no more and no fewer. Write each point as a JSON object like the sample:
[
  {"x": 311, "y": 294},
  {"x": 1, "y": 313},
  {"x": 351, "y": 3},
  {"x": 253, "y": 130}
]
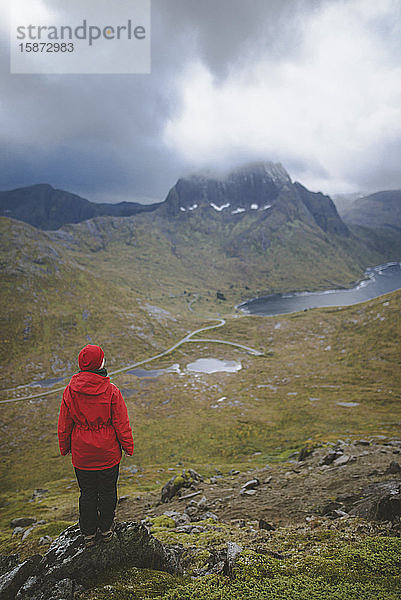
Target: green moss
[
  {"x": 52, "y": 529},
  {"x": 163, "y": 521},
  {"x": 133, "y": 583},
  {"x": 279, "y": 588},
  {"x": 368, "y": 570},
  {"x": 10, "y": 544}
]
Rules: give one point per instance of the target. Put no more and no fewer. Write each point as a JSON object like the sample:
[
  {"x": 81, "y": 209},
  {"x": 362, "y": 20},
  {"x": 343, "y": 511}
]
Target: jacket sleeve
[
  {"x": 120, "y": 421},
  {"x": 65, "y": 426}
]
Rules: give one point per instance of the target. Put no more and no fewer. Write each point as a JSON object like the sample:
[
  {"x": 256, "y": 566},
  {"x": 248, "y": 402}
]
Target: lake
[{"x": 379, "y": 280}]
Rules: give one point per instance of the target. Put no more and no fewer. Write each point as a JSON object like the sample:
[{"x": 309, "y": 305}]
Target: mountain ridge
[
  {"x": 49, "y": 208},
  {"x": 381, "y": 209}
]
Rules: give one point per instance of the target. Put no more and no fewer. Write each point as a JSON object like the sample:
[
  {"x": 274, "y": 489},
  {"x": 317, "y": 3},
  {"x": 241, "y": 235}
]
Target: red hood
[{"x": 88, "y": 383}]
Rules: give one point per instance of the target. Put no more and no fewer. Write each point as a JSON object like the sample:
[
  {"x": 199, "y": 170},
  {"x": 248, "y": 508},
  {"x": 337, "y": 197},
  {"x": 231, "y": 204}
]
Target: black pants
[{"x": 98, "y": 499}]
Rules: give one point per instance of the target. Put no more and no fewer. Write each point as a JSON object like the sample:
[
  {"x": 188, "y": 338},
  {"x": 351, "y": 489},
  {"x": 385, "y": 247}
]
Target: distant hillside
[
  {"x": 47, "y": 208},
  {"x": 376, "y": 220},
  {"x": 52, "y": 305},
  {"x": 249, "y": 233},
  {"x": 382, "y": 209}
]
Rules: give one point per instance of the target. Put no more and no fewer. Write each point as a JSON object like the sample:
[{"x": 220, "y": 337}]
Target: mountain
[
  {"x": 267, "y": 440},
  {"x": 263, "y": 188},
  {"x": 47, "y": 208},
  {"x": 216, "y": 240},
  {"x": 376, "y": 220},
  {"x": 382, "y": 209},
  {"x": 251, "y": 232}
]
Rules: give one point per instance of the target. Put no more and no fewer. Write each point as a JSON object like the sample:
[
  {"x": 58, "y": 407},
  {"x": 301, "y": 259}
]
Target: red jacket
[{"x": 93, "y": 422}]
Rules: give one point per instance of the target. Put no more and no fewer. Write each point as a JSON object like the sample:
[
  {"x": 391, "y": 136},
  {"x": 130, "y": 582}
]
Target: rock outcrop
[
  {"x": 188, "y": 479},
  {"x": 380, "y": 502},
  {"x": 68, "y": 566}
]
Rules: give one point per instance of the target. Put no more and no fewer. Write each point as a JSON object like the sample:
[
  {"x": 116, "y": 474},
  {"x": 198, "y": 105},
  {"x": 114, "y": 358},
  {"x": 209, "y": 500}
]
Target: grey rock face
[
  {"x": 380, "y": 502},
  {"x": 11, "y": 582},
  {"x": 68, "y": 566},
  {"x": 8, "y": 562},
  {"x": 261, "y": 188}
]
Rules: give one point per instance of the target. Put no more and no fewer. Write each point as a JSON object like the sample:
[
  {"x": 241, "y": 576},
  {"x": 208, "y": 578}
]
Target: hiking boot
[
  {"x": 107, "y": 536},
  {"x": 90, "y": 540}
]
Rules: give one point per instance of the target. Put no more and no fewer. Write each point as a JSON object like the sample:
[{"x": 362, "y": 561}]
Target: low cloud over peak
[{"x": 314, "y": 85}]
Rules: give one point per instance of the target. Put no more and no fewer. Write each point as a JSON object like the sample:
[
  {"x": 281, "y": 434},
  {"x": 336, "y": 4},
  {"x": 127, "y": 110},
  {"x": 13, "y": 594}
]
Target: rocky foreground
[
  {"x": 205, "y": 525},
  {"x": 338, "y": 479}
]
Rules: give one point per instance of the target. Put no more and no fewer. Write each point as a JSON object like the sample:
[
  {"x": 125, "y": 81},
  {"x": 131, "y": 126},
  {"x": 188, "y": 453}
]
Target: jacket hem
[{"x": 100, "y": 468}]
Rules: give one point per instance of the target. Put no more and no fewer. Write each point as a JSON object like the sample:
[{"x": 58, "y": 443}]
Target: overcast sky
[{"x": 313, "y": 84}]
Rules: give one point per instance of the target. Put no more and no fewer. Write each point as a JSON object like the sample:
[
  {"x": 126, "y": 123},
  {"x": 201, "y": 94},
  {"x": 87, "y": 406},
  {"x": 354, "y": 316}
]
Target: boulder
[
  {"x": 189, "y": 478},
  {"x": 178, "y": 518},
  {"x": 331, "y": 456},
  {"x": 233, "y": 551},
  {"x": 342, "y": 460},
  {"x": 250, "y": 485},
  {"x": 265, "y": 525},
  {"x": 68, "y": 566},
  {"x": 394, "y": 468},
  {"x": 11, "y": 581},
  {"x": 22, "y": 522},
  {"x": 380, "y": 502},
  {"x": 223, "y": 560}
]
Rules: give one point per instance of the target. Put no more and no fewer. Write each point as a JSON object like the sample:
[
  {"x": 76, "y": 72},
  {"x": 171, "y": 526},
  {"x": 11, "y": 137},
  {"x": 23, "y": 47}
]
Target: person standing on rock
[{"x": 94, "y": 427}]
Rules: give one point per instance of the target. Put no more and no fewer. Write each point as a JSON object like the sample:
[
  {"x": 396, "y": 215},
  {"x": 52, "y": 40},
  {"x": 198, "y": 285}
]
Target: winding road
[{"x": 187, "y": 338}]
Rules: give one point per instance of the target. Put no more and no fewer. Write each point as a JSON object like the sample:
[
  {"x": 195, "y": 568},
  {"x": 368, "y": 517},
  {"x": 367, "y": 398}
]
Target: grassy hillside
[
  {"x": 52, "y": 306},
  {"x": 159, "y": 259},
  {"x": 276, "y": 404},
  {"x": 271, "y": 407}
]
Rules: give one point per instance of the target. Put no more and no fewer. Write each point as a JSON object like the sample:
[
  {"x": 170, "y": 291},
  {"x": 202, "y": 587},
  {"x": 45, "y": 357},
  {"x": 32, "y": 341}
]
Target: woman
[{"x": 93, "y": 425}]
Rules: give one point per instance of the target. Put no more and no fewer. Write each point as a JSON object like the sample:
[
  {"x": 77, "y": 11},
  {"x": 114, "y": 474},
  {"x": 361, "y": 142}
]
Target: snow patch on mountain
[{"x": 219, "y": 208}]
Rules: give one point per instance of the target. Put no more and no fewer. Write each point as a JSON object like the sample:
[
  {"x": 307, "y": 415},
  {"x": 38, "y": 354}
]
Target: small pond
[
  {"x": 201, "y": 365},
  {"x": 213, "y": 365}
]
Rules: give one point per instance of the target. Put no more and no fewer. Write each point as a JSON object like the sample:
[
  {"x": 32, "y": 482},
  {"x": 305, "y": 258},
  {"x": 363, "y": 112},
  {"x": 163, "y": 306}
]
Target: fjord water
[{"x": 379, "y": 280}]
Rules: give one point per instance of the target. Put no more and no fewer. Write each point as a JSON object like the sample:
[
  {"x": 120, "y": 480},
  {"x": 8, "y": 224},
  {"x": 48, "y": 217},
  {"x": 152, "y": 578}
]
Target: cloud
[
  {"x": 331, "y": 109},
  {"x": 312, "y": 83}
]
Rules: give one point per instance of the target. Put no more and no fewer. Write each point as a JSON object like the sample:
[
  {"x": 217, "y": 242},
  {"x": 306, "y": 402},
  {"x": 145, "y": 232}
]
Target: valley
[{"x": 161, "y": 287}]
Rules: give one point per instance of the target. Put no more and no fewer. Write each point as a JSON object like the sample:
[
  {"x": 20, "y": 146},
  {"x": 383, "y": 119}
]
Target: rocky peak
[
  {"x": 253, "y": 187},
  {"x": 263, "y": 190}
]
